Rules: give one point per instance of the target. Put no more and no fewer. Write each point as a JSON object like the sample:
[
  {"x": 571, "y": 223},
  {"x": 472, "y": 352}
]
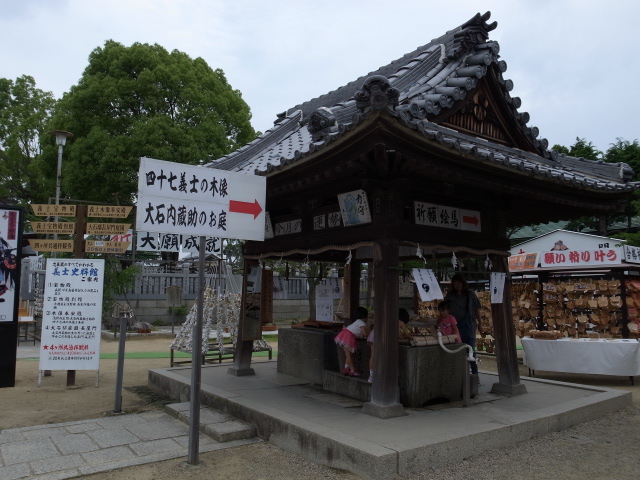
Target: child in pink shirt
[{"x": 447, "y": 322}]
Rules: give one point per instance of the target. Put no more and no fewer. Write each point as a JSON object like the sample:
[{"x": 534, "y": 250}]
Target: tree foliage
[
  {"x": 144, "y": 101},
  {"x": 581, "y": 148},
  {"x": 621, "y": 151},
  {"x": 24, "y": 112}
]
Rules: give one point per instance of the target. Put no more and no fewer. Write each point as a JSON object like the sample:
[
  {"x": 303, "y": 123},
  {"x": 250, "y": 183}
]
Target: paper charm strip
[
  {"x": 280, "y": 288},
  {"x": 427, "y": 283},
  {"x": 497, "y": 286}
]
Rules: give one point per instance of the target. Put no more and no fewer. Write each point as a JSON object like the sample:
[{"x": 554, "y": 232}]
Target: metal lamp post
[{"x": 61, "y": 139}]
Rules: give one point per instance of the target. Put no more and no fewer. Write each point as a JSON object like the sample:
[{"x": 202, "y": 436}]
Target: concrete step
[{"x": 220, "y": 426}]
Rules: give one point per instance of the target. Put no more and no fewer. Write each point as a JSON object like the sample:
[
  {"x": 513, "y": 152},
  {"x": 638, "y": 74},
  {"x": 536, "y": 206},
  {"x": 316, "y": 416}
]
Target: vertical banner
[
  {"x": 72, "y": 314},
  {"x": 9, "y": 259},
  {"x": 497, "y": 286},
  {"x": 10, "y": 249},
  {"x": 280, "y": 288},
  {"x": 324, "y": 303},
  {"x": 354, "y": 208},
  {"x": 336, "y": 287},
  {"x": 427, "y": 283}
]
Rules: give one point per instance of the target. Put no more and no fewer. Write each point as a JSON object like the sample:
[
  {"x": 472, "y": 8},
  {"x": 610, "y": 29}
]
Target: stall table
[
  {"x": 584, "y": 355},
  {"x": 23, "y": 329}
]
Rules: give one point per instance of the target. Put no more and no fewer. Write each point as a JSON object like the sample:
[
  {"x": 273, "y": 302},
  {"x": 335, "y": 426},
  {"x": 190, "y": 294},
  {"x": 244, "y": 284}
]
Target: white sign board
[
  {"x": 579, "y": 258},
  {"x": 427, "y": 283},
  {"x": 324, "y": 303},
  {"x": 563, "y": 240},
  {"x": 147, "y": 242},
  {"x": 191, "y": 244},
  {"x": 354, "y": 208},
  {"x": 186, "y": 199},
  {"x": 631, "y": 254},
  {"x": 72, "y": 314},
  {"x": 442, "y": 216}
]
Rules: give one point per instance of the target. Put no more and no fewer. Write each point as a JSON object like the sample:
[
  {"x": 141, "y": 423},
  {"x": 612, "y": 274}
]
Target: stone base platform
[{"x": 298, "y": 416}]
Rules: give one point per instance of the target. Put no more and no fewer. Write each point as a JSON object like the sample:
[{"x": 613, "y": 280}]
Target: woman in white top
[{"x": 347, "y": 340}]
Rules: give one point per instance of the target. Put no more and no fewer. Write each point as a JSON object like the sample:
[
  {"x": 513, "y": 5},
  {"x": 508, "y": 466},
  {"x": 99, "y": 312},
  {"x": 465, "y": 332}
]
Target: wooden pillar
[
  {"x": 505, "y": 336},
  {"x": 244, "y": 348},
  {"x": 385, "y": 392},
  {"x": 351, "y": 291}
]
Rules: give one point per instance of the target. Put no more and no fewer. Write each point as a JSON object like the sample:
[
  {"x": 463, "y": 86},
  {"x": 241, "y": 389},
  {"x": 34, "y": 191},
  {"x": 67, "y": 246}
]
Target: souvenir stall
[
  {"x": 428, "y": 156},
  {"x": 582, "y": 290}
]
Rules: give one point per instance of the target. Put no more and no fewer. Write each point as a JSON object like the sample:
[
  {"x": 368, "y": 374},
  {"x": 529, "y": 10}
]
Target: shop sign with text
[{"x": 442, "y": 216}]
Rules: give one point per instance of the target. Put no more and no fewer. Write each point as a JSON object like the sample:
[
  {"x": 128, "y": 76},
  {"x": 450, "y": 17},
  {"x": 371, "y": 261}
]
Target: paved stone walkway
[{"x": 67, "y": 450}]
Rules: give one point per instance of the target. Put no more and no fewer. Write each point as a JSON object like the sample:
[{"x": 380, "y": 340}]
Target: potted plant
[{"x": 269, "y": 327}]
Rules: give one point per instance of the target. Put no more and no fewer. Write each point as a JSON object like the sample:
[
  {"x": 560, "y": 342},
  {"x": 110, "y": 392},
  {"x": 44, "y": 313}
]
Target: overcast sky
[{"x": 574, "y": 63}]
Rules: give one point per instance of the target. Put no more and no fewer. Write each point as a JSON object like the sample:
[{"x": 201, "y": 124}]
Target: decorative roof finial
[
  {"x": 377, "y": 94},
  {"x": 322, "y": 121}
]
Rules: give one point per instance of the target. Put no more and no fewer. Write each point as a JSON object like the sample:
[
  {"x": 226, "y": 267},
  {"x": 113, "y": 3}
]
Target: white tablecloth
[{"x": 600, "y": 356}]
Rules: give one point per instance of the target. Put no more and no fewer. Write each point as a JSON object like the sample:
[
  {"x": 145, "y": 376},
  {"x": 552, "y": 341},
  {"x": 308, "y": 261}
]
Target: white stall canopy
[{"x": 563, "y": 249}]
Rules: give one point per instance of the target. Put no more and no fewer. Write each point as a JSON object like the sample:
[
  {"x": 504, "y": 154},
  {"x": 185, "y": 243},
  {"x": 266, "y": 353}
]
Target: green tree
[
  {"x": 144, "y": 101},
  {"x": 621, "y": 151},
  {"x": 627, "y": 152},
  {"x": 581, "y": 148},
  {"x": 24, "y": 112}
]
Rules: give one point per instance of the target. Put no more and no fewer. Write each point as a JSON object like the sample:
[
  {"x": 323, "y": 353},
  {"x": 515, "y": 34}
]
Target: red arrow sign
[
  {"x": 467, "y": 219},
  {"x": 245, "y": 207}
]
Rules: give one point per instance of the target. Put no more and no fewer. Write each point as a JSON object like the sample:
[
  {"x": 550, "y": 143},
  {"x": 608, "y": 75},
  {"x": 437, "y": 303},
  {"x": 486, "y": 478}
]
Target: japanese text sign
[
  {"x": 447, "y": 217},
  {"x": 45, "y": 210},
  {"x": 186, "y": 199},
  {"x": 288, "y": 227},
  {"x": 576, "y": 258},
  {"x": 191, "y": 244},
  {"x": 108, "y": 229},
  {"x": 427, "y": 283},
  {"x": 51, "y": 245},
  {"x": 108, "y": 211},
  {"x": 280, "y": 288},
  {"x": 100, "y": 246},
  {"x": 324, "y": 303},
  {"x": 354, "y": 208},
  {"x": 523, "y": 262},
  {"x": 631, "y": 254},
  {"x": 61, "y": 228},
  {"x": 72, "y": 315}
]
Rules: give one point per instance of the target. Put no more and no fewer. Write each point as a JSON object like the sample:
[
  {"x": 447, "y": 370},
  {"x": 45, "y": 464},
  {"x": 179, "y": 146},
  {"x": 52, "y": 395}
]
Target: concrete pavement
[
  {"x": 332, "y": 430},
  {"x": 67, "y": 450}
]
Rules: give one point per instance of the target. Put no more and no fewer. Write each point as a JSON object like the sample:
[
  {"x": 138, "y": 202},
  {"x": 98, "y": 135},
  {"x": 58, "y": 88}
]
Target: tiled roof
[{"x": 418, "y": 87}]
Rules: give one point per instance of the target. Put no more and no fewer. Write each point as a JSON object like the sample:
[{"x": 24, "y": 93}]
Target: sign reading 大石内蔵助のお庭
[{"x": 187, "y": 199}]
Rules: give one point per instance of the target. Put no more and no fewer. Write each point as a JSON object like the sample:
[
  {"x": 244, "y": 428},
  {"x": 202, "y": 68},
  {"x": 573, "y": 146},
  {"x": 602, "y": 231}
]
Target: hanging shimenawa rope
[
  {"x": 354, "y": 246},
  {"x": 307, "y": 252}
]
